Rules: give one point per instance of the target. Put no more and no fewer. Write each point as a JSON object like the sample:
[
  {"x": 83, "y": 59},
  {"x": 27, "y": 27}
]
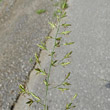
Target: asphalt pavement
[
  {"x": 90, "y": 61},
  {"x": 21, "y": 29}
]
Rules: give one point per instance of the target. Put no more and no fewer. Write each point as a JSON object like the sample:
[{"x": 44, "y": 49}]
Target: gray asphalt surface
[
  {"x": 90, "y": 61},
  {"x": 91, "y": 54},
  {"x": 20, "y": 30},
  {"x": 90, "y": 65}
]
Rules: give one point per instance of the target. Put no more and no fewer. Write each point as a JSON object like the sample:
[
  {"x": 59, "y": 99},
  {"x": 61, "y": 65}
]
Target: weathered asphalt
[
  {"x": 90, "y": 72},
  {"x": 90, "y": 67},
  {"x": 90, "y": 61},
  {"x": 20, "y": 30}
]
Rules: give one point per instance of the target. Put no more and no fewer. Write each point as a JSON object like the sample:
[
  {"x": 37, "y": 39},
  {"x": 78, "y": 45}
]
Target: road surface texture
[
  {"x": 21, "y": 28},
  {"x": 90, "y": 61}
]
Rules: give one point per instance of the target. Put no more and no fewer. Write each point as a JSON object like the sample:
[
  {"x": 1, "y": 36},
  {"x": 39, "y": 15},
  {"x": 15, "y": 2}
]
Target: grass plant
[{"x": 63, "y": 86}]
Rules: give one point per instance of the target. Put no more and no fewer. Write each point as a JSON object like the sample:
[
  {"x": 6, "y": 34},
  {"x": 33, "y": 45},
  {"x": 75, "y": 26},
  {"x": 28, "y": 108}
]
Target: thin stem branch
[
  {"x": 58, "y": 84},
  {"x": 58, "y": 27}
]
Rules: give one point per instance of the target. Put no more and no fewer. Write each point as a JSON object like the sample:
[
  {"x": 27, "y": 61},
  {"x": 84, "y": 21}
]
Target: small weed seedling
[{"x": 63, "y": 86}]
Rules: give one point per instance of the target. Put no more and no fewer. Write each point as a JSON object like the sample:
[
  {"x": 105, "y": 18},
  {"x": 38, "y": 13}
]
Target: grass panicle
[{"x": 65, "y": 84}]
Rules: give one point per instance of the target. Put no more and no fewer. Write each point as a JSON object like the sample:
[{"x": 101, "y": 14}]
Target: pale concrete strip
[{"x": 35, "y": 83}]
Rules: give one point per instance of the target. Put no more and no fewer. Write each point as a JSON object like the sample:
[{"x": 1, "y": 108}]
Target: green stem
[
  {"x": 59, "y": 84},
  {"x": 58, "y": 27}
]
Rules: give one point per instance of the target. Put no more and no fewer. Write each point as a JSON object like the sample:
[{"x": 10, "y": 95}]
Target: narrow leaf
[
  {"x": 40, "y": 71},
  {"x": 74, "y": 96},
  {"x": 66, "y": 25},
  {"x": 54, "y": 62},
  {"x": 43, "y": 72},
  {"x": 70, "y": 43},
  {"x": 63, "y": 89},
  {"x": 22, "y": 88},
  {"x": 64, "y": 5},
  {"x": 66, "y": 84},
  {"x": 63, "y": 15},
  {"x": 59, "y": 11},
  {"x": 67, "y": 76},
  {"x": 65, "y": 63},
  {"x": 68, "y": 55},
  {"x": 30, "y": 102},
  {"x": 45, "y": 82},
  {"x": 36, "y": 97},
  {"x": 66, "y": 32},
  {"x": 40, "y": 11},
  {"x": 37, "y": 58},
  {"x": 42, "y": 47},
  {"x": 57, "y": 44},
  {"x": 52, "y": 53},
  {"x": 52, "y": 24},
  {"x": 49, "y": 37},
  {"x": 59, "y": 38},
  {"x": 68, "y": 106},
  {"x": 73, "y": 106}
]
